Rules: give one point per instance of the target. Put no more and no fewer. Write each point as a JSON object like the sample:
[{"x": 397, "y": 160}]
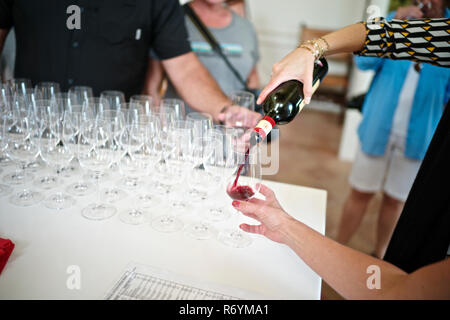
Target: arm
[
  {"x": 195, "y": 84},
  {"x": 3, "y": 35},
  {"x": 343, "y": 268},
  {"x": 253, "y": 79},
  {"x": 380, "y": 39},
  {"x": 153, "y": 80},
  {"x": 199, "y": 89}
]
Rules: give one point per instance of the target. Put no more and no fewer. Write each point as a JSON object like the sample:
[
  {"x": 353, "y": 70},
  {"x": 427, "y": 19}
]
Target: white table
[{"x": 49, "y": 241}]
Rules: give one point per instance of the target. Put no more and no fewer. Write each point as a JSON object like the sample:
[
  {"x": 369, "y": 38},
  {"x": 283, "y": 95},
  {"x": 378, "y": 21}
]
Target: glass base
[
  {"x": 5, "y": 190},
  {"x": 94, "y": 176},
  {"x": 113, "y": 194},
  {"x": 35, "y": 166},
  {"x": 46, "y": 182},
  {"x": 167, "y": 224},
  {"x": 5, "y": 161},
  {"x": 59, "y": 201},
  {"x": 217, "y": 214},
  {"x": 147, "y": 200},
  {"x": 17, "y": 177},
  {"x": 161, "y": 189},
  {"x": 133, "y": 216},
  {"x": 235, "y": 238},
  {"x": 80, "y": 189},
  {"x": 130, "y": 183},
  {"x": 200, "y": 231},
  {"x": 97, "y": 211},
  {"x": 26, "y": 198},
  {"x": 196, "y": 196},
  {"x": 69, "y": 171}
]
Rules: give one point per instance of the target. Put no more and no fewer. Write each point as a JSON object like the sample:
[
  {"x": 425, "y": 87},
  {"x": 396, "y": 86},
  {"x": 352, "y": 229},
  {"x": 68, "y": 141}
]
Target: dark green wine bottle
[{"x": 285, "y": 102}]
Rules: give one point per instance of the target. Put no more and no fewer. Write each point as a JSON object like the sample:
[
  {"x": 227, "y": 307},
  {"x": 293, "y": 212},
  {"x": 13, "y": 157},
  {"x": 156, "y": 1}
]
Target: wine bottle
[{"x": 285, "y": 102}]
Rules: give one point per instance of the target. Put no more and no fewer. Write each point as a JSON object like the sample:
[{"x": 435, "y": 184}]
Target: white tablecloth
[{"x": 48, "y": 242}]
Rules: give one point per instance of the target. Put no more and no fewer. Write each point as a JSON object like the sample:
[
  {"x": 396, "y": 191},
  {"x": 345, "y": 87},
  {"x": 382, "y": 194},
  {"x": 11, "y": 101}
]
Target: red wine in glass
[{"x": 236, "y": 192}]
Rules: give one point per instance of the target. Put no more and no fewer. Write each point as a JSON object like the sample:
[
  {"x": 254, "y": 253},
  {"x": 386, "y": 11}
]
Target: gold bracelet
[
  {"x": 304, "y": 46},
  {"x": 326, "y": 43}
]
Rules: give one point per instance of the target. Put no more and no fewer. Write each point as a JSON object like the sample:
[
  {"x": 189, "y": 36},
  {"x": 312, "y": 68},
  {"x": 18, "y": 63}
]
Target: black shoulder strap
[{"x": 204, "y": 31}]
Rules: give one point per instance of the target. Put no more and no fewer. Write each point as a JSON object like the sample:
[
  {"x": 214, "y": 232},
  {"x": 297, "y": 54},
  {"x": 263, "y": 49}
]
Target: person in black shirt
[{"x": 110, "y": 49}]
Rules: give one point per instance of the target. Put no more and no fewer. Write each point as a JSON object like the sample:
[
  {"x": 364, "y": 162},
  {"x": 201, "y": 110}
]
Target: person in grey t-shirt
[{"x": 238, "y": 39}]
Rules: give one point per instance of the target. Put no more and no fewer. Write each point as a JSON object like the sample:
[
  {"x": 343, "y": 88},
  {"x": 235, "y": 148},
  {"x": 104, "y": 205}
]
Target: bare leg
[
  {"x": 354, "y": 209},
  {"x": 389, "y": 214}
]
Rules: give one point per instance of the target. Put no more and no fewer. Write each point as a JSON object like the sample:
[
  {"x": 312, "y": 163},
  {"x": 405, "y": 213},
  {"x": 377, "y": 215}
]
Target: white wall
[{"x": 278, "y": 24}]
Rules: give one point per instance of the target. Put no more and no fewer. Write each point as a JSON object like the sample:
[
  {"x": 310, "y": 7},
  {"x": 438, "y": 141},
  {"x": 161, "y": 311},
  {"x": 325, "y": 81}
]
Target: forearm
[
  {"x": 3, "y": 35},
  {"x": 253, "y": 79},
  {"x": 153, "y": 79},
  {"x": 348, "y": 39},
  {"x": 343, "y": 268},
  {"x": 196, "y": 85}
]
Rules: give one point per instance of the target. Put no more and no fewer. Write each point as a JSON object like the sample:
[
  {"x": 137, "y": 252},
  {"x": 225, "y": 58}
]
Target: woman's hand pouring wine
[{"x": 298, "y": 65}]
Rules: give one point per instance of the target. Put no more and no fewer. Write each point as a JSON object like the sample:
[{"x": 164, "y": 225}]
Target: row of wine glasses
[{"x": 161, "y": 153}]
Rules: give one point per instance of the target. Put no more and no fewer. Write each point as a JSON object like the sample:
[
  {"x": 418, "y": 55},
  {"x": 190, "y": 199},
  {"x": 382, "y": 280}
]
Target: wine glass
[
  {"x": 95, "y": 153},
  {"x": 221, "y": 163},
  {"x": 162, "y": 180},
  {"x": 19, "y": 86},
  {"x": 48, "y": 90},
  {"x": 73, "y": 120},
  {"x": 22, "y": 148},
  {"x": 115, "y": 120},
  {"x": 5, "y": 110},
  {"x": 4, "y": 189},
  {"x": 176, "y": 105},
  {"x": 83, "y": 94},
  {"x": 115, "y": 98},
  {"x": 96, "y": 105},
  {"x": 243, "y": 185},
  {"x": 204, "y": 180},
  {"x": 243, "y": 99},
  {"x": 145, "y": 101},
  {"x": 19, "y": 147},
  {"x": 56, "y": 152},
  {"x": 137, "y": 162},
  {"x": 134, "y": 119}
]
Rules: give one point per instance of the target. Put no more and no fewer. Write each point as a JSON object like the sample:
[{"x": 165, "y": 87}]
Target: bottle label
[{"x": 264, "y": 126}]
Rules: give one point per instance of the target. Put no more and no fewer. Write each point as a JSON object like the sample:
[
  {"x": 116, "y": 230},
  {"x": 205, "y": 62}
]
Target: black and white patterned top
[{"x": 421, "y": 40}]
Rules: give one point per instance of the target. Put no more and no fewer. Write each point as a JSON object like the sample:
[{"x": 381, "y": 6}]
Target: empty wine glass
[
  {"x": 73, "y": 120},
  {"x": 176, "y": 105},
  {"x": 221, "y": 164},
  {"x": 115, "y": 98},
  {"x": 205, "y": 179},
  {"x": 56, "y": 152},
  {"x": 162, "y": 180},
  {"x": 138, "y": 161},
  {"x": 5, "y": 110},
  {"x": 4, "y": 189},
  {"x": 83, "y": 94},
  {"x": 243, "y": 185},
  {"x": 19, "y": 86},
  {"x": 96, "y": 154},
  {"x": 116, "y": 123},
  {"x": 19, "y": 146},
  {"x": 23, "y": 149},
  {"x": 96, "y": 105},
  {"x": 243, "y": 99},
  {"x": 48, "y": 90},
  {"x": 145, "y": 101}
]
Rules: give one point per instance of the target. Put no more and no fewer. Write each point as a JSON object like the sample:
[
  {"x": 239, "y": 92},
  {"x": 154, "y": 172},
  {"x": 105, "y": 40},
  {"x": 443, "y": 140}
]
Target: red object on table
[{"x": 6, "y": 247}]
